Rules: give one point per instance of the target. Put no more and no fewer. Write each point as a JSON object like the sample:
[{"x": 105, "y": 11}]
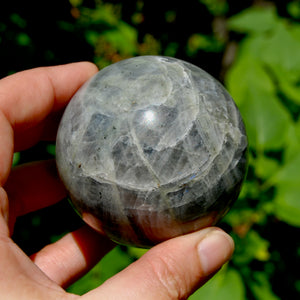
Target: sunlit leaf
[
  {"x": 123, "y": 38},
  {"x": 136, "y": 252},
  {"x": 226, "y": 285},
  {"x": 266, "y": 119},
  {"x": 265, "y": 167},
  {"x": 289, "y": 87},
  {"x": 287, "y": 48},
  {"x": 247, "y": 74},
  {"x": 292, "y": 146},
  {"x": 287, "y": 201},
  {"x": 254, "y": 19},
  {"x": 92, "y": 37},
  {"x": 287, "y": 204},
  {"x": 289, "y": 173}
]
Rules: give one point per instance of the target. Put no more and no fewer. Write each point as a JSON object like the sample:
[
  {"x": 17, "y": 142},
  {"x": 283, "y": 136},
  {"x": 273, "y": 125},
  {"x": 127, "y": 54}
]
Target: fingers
[
  {"x": 69, "y": 258},
  {"x": 20, "y": 278},
  {"x": 28, "y": 97},
  {"x": 4, "y": 210},
  {"x": 6, "y": 149},
  {"x": 33, "y": 186},
  {"x": 171, "y": 270},
  {"x": 72, "y": 256}
]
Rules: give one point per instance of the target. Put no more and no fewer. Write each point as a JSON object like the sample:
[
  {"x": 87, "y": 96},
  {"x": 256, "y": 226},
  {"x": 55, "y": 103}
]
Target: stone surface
[{"x": 151, "y": 148}]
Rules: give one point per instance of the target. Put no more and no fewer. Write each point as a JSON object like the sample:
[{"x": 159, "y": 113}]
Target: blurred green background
[{"x": 253, "y": 47}]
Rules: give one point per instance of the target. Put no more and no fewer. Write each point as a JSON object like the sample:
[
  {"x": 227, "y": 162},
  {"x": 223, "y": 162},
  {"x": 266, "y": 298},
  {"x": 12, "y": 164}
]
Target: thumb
[{"x": 171, "y": 270}]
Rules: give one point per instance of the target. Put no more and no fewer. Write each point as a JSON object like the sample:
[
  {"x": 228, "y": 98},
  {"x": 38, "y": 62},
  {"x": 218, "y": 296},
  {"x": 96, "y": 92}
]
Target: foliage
[
  {"x": 264, "y": 81},
  {"x": 254, "y": 50},
  {"x": 268, "y": 98},
  {"x": 227, "y": 284}
]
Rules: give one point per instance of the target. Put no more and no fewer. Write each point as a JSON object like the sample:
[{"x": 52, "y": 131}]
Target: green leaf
[
  {"x": 265, "y": 167},
  {"x": 16, "y": 158},
  {"x": 75, "y": 3},
  {"x": 216, "y": 7},
  {"x": 262, "y": 288},
  {"x": 18, "y": 20},
  {"x": 282, "y": 48},
  {"x": 289, "y": 87},
  {"x": 289, "y": 173},
  {"x": 123, "y": 38},
  {"x": 92, "y": 37},
  {"x": 292, "y": 147},
  {"x": 287, "y": 204},
  {"x": 225, "y": 285},
  {"x": 266, "y": 119},
  {"x": 293, "y": 9},
  {"x": 23, "y": 39},
  {"x": 136, "y": 252},
  {"x": 102, "y": 14},
  {"x": 171, "y": 49},
  {"x": 51, "y": 149},
  {"x": 251, "y": 247},
  {"x": 203, "y": 42},
  {"x": 247, "y": 73},
  {"x": 253, "y": 20},
  {"x": 250, "y": 189}
]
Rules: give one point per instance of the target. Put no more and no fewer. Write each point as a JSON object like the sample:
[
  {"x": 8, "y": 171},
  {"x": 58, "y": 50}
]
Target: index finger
[{"x": 28, "y": 97}]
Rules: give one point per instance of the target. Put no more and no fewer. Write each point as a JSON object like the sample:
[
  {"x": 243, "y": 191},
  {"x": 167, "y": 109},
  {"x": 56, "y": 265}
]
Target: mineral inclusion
[{"x": 151, "y": 148}]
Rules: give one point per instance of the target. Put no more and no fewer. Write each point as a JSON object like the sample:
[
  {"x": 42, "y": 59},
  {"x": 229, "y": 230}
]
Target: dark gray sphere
[{"x": 151, "y": 148}]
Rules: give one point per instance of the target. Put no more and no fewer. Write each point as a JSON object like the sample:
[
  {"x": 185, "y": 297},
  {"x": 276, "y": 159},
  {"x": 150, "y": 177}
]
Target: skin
[{"x": 31, "y": 103}]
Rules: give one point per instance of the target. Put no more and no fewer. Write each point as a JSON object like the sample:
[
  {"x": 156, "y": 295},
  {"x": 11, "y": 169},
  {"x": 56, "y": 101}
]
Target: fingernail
[{"x": 214, "y": 250}]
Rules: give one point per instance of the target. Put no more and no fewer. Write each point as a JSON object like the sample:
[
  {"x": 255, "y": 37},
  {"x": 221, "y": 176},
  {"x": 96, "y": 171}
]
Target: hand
[{"x": 31, "y": 103}]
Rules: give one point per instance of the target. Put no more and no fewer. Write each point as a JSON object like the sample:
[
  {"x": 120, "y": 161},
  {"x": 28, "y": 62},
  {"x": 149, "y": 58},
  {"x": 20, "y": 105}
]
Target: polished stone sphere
[{"x": 151, "y": 148}]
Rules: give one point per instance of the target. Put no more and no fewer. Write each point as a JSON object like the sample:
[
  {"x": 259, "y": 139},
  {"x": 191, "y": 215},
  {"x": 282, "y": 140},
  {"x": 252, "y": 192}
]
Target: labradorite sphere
[{"x": 151, "y": 148}]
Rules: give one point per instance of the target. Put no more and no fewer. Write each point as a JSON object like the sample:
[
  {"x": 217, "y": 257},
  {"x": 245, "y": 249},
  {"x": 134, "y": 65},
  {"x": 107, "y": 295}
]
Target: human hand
[{"x": 31, "y": 103}]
